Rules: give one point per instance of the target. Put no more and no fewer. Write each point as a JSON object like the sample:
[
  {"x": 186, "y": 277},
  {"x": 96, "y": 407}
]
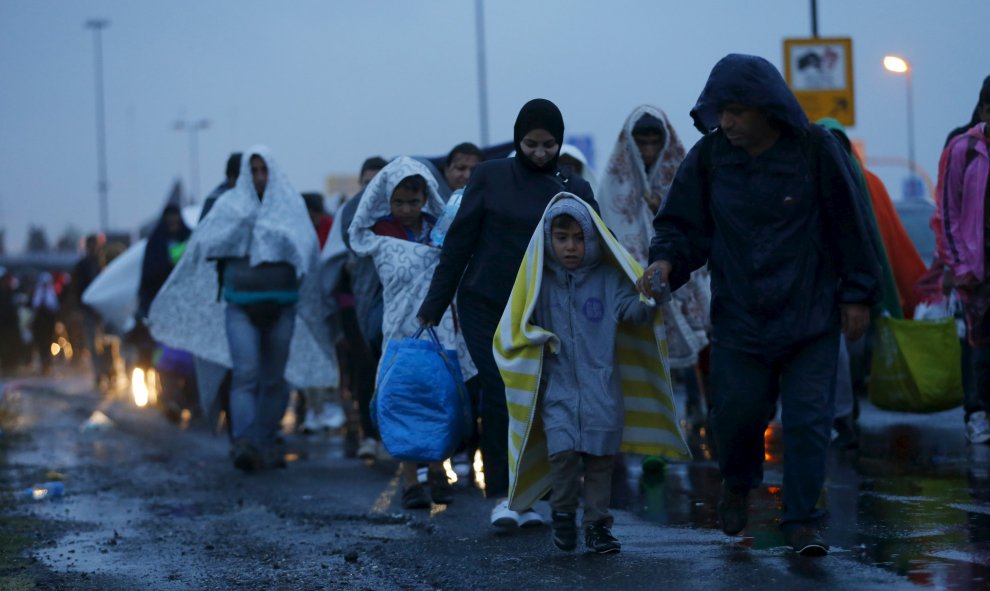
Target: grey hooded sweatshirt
[{"x": 581, "y": 403}]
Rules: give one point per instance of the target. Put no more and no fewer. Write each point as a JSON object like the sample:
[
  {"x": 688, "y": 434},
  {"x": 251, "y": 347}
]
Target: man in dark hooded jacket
[{"x": 766, "y": 200}]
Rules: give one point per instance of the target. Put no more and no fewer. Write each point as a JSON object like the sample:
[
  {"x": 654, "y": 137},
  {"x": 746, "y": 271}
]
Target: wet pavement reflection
[{"x": 913, "y": 499}]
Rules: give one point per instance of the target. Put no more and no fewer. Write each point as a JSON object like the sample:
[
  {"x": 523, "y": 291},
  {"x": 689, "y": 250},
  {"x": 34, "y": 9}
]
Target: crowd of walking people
[{"x": 745, "y": 268}]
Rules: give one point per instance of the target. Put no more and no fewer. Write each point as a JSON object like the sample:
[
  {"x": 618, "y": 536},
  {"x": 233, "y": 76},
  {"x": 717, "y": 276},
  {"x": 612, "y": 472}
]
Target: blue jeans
[
  {"x": 744, "y": 388},
  {"x": 259, "y": 351}
]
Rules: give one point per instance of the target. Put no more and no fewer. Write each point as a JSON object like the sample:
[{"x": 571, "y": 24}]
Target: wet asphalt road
[{"x": 149, "y": 505}]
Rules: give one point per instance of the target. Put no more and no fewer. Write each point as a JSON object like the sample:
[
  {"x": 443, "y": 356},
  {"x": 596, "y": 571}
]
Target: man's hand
[
  {"x": 855, "y": 320},
  {"x": 425, "y": 323},
  {"x": 643, "y": 283}
]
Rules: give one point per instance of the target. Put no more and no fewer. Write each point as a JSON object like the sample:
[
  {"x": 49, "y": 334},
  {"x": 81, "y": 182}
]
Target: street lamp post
[
  {"x": 899, "y": 65},
  {"x": 193, "y": 127},
  {"x": 479, "y": 15},
  {"x": 97, "y": 26}
]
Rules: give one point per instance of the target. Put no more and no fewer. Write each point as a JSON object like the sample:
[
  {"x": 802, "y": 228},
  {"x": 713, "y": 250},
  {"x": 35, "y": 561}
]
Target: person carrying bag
[{"x": 421, "y": 405}]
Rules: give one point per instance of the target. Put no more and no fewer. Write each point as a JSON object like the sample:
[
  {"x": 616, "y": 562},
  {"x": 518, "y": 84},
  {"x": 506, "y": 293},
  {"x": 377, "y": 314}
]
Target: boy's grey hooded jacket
[{"x": 581, "y": 402}]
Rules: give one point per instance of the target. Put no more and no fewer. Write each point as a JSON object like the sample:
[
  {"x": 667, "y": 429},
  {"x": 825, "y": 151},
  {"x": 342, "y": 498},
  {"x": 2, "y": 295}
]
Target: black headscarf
[{"x": 538, "y": 114}]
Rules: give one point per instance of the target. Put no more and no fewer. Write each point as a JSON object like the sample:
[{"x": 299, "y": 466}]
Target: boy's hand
[{"x": 643, "y": 283}]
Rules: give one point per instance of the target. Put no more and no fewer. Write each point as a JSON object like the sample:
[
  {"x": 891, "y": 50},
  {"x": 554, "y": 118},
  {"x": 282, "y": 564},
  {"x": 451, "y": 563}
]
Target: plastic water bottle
[
  {"x": 47, "y": 490},
  {"x": 439, "y": 231}
]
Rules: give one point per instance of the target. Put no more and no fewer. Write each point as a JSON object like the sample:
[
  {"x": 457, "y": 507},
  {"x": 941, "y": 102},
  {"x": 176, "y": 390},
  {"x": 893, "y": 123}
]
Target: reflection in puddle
[{"x": 915, "y": 500}]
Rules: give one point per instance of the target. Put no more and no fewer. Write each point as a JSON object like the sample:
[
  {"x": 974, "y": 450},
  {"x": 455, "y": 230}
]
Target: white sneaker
[
  {"x": 312, "y": 422},
  {"x": 368, "y": 450},
  {"x": 977, "y": 428},
  {"x": 332, "y": 416},
  {"x": 530, "y": 518},
  {"x": 502, "y": 516}
]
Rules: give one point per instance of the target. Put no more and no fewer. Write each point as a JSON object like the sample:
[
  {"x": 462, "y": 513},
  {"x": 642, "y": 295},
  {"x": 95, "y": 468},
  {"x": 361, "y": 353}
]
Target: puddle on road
[{"x": 913, "y": 501}]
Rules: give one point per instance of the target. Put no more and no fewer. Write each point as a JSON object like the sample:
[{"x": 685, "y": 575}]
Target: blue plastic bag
[{"x": 420, "y": 407}]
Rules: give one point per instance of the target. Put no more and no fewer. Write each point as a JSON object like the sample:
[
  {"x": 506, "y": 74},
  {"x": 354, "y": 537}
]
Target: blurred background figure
[
  {"x": 571, "y": 157},
  {"x": 164, "y": 248},
  {"x": 230, "y": 178},
  {"x": 320, "y": 408},
  {"x": 11, "y": 344},
  {"x": 85, "y": 271},
  {"x": 460, "y": 162},
  {"x": 45, "y": 308}
]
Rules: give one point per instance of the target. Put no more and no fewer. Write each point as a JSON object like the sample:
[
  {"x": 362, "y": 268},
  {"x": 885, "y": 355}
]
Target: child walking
[
  {"x": 392, "y": 225},
  {"x": 586, "y": 318}
]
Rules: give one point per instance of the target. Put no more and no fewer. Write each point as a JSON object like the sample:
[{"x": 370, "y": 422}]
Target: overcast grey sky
[{"x": 325, "y": 83}]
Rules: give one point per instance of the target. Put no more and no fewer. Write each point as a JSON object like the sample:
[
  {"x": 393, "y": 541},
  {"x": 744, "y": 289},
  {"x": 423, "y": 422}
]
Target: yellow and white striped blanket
[{"x": 651, "y": 425}]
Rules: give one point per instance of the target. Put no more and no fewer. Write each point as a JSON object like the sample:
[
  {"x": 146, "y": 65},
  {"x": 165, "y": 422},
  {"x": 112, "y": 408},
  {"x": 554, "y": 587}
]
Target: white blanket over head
[
  {"x": 404, "y": 267},
  {"x": 187, "y": 313},
  {"x": 624, "y": 196}
]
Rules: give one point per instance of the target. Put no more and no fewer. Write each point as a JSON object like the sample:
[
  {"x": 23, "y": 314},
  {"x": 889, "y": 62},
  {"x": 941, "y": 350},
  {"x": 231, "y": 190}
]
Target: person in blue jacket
[{"x": 766, "y": 199}]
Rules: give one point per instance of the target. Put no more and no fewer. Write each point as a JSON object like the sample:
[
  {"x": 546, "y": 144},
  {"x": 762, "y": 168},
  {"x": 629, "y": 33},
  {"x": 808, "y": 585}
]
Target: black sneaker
[
  {"x": 564, "y": 530},
  {"x": 441, "y": 491},
  {"x": 246, "y": 456},
  {"x": 274, "y": 457},
  {"x": 732, "y": 511},
  {"x": 415, "y": 497},
  {"x": 807, "y": 541},
  {"x": 598, "y": 538}
]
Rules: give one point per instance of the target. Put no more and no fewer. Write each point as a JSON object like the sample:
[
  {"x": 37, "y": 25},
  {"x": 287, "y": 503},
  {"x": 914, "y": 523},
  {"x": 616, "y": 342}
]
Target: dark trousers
[
  {"x": 478, "y": 323},
  {"x": 978, "y": 395},
  {"x": 361, "y": 365},
  {"x": 745, "y": 387},
  {"x": 566, "y": 470}
]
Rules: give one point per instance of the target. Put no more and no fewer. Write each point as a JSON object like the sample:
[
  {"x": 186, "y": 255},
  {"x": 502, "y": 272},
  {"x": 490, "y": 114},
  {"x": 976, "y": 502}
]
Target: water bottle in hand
[{"x": 439, "y": 232}]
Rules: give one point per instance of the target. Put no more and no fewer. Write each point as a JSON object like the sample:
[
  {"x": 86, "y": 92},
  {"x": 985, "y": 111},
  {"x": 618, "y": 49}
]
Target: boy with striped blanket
[{"x": 578, "y": 414}]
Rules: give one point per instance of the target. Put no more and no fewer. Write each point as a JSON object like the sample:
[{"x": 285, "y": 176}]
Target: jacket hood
[
  {"x": 838, "y": 130},
  {"x": 751, "y": 81},
  {"x": 592, "y": 246}
]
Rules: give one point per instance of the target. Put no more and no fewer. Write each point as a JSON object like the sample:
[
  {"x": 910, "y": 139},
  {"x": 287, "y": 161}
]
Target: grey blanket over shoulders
[{"x": 187, "y": 313}]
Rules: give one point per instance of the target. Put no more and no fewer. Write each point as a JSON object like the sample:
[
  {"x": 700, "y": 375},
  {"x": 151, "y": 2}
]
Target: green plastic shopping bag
[{"x": 916, "y": 365}]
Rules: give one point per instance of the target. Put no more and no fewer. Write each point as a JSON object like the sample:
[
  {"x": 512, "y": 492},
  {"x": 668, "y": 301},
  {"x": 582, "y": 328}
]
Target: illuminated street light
[
  {"x": 895, "y": 64},
  {"x": 900, "y": 65}
]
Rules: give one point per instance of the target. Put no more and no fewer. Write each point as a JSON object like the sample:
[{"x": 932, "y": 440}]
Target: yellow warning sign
[{"x": 820, "y": 73}]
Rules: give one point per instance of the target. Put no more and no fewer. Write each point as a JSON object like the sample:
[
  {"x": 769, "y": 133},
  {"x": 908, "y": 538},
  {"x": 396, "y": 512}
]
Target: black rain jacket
[{"x": 782, "y": 233}]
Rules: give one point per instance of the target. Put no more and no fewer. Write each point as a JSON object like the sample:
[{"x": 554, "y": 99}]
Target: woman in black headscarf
[{"x": 502, "y": 205}]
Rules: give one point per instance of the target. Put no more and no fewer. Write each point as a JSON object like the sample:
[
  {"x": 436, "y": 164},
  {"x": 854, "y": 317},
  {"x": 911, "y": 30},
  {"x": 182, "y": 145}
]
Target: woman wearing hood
[
  {"x": 165, "y": 245},
  {"x": 162, "y": 252},
  {"x": 502, "y": 206},
  {"x": 637, "y": 178},
  {"x": 247, "y": 295}
]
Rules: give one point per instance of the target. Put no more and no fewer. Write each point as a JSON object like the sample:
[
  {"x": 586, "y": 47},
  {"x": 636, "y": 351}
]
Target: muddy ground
[{"x": 149, "y": 505}]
